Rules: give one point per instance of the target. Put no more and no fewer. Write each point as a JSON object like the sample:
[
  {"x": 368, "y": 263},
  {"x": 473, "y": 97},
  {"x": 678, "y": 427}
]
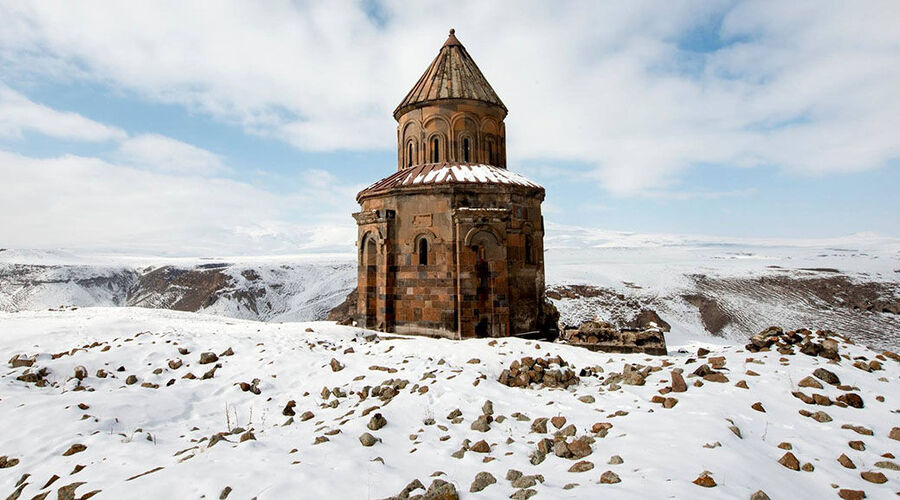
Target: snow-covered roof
[{"x": 449, "y": 173}]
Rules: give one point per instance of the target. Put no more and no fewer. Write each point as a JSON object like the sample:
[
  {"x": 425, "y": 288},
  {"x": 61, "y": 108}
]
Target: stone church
[{"x": 451, "y": 244}]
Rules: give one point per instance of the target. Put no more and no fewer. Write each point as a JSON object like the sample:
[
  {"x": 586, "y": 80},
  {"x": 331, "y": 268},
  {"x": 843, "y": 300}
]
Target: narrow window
[
  {"x": 434, "y": 150},
  {"x": 529, "y": 251},
  {"x": 423, "y": 252},
  {"x": 491, "y": 152},
  {"x": 466, "y": 150},
  {"x": 409, "y": 158}
]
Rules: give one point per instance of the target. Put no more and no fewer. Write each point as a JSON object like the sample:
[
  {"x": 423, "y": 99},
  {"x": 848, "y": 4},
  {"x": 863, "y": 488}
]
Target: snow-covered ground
[{"x": 163, "y": 431}]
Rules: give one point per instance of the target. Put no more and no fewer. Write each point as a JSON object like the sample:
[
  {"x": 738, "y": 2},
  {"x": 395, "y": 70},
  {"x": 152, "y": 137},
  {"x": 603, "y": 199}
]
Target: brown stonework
[{"x": 452, "y": 244}]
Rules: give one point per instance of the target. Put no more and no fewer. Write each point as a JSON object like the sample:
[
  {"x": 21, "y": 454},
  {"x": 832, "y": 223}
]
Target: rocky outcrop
[{"x": 345, "y": 312}]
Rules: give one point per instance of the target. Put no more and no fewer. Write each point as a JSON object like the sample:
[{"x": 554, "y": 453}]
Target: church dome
[
  {"x": 452, "y": 114},
  {"x": 452, "y": 75}
]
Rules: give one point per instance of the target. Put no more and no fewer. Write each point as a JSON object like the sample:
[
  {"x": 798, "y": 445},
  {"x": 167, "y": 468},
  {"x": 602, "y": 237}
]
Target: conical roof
[{"x": 452, "y": 75}]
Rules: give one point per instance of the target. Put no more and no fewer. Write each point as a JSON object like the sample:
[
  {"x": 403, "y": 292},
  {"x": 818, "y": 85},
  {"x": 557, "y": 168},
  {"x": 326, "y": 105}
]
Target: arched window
[
  {"x": 409, "y": 157},
  {"x": 435, "y": 149},
  {"x": 466, "y": 150},
  {"x": 529, "y": 249},
  {"x": 491, "y": 152},
  {"x": 423, "y": 252}
]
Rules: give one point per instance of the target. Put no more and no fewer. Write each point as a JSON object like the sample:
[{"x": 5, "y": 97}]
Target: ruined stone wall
[{"x": 484, "y": 230}]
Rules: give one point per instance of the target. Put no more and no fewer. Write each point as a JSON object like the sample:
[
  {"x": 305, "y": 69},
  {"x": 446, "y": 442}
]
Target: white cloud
[
  {"x": 18, "y": 115},
  {"x": 804, "y": 86},
  {"x": 92, "y": 204},
  {"x": 165, "y": 154}
]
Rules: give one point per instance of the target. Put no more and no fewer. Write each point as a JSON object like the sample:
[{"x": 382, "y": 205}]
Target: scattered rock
[
  {"x": 75, "y": 448},
  {"x": 868, "y": 432},
  {"x": 716, "y": 377},
  {"x": 759, "y": 495},
  {"x": 482, "y": 423},
  {"x": 20, "y": 360},
  {"x": 288, "y": 410},
  {"x": 705, "y": 479},
  {"x": 208, "y": 357},
  {"x": 441, "y": 490},
  {"x": 376, "y": 422},
  {"x": 632, "y": 376},
  {"x": 523, "y": 494},
  {"x": 609, "y": 477},
  {"x": 336, "y": 365},
  {"x": 873, "y": 477},
  {"x": 826, "y": 376},
  {"x": 851, "y": 399},
  {"x": 887, "y": 464},
  {"x": 851, "y": 494},
  {"x": 678, "y": 383},
  {"x": 790, "y": 461},
  {"x": 482, "y": 480},
  {"x": 846, "y": 462},
  {"x": 513, "y": 474},
  {"x": 615, "y": 460},
  {"x": 821, "y": 416},
  {"x": 809, "y": 382},
  {"x": 582, "y": 466},
  {"x": 367, "y": 439},
  {"x": 758, "y": 407},
  {"x": 67, "y": 492},
  {"x": 480, "y": 447}
]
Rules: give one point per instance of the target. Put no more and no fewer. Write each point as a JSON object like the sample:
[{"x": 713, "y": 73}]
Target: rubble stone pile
[
  {"x": 604, "y": 336},
  {"x": 822, "y": 343},
  {"x": 546, "y": 372}
]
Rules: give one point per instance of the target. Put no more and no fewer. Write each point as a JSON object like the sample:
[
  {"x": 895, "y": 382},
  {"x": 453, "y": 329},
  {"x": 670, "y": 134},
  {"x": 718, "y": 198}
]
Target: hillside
[
  {"x": 701, "y": 288},
  {"x": 150, "y": 415}
]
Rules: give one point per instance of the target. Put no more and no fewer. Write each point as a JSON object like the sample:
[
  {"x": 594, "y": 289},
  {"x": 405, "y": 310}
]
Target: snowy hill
[
  {"x": 299, "y": 288},
  {"x": 700, "y": 286},
  {"x": 150, "y": 419}
]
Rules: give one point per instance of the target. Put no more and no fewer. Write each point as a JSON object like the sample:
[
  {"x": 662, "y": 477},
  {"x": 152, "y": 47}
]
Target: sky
[{"x": 223, "y": 127}]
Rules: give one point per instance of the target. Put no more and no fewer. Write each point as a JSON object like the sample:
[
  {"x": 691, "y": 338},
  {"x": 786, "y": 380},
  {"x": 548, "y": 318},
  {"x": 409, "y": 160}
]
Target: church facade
[{"x": 451, "y": 244}]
